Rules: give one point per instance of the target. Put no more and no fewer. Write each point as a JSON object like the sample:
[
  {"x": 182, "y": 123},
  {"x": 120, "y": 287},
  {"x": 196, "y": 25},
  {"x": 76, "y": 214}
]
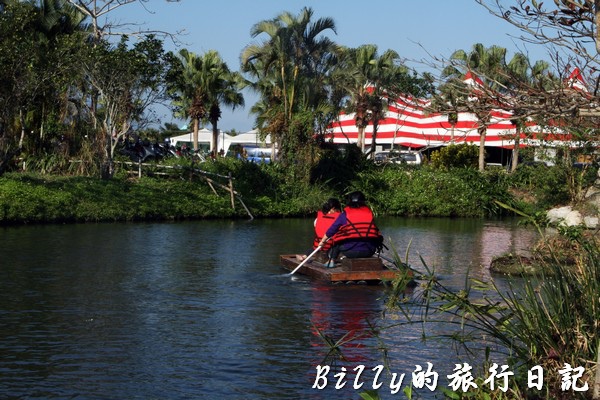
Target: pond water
[{"x": 203, "y": 310}]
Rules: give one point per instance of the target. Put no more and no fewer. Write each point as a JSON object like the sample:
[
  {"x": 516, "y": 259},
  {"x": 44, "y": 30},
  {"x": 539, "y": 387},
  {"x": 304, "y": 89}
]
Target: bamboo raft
[{"x": 369, "y": 270}]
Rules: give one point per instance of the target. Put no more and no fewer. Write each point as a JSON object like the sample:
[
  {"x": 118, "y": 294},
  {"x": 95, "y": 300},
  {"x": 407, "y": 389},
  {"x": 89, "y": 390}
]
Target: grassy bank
[{"x": 266, "y": 190}]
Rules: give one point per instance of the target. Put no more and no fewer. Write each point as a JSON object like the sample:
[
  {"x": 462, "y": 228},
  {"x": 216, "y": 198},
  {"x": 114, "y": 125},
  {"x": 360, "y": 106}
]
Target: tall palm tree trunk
[
  {"x": 284, "y": 86},
  {"x": 374, "y": 137},
  {"x": 515, "y": 152},
  {"x": 482, "y": 132},
  {"x": 214, "y": 146},
  {"x": 195, "y": 133},
  {"x": 484, "y": 120},
  {"x": 360, "y": 141}
]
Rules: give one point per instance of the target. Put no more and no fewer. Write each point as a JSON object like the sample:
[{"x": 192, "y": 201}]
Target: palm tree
[
  {"x": 287, "y": 70},
  {"x": 370, "y": 79},
  {"x": 523, "y": 76},
  {"x": 269, "y": 107},
  {"x": 392, "y": 80},
  {"x": 203, "y": 85},
  {"x": 360, "y": 77},
  {"x": 489, "y": 65},
  {"x": 189, "y": 94},
  {"x": 223, "y": 90},
  {"x": 58, "y": 17}
]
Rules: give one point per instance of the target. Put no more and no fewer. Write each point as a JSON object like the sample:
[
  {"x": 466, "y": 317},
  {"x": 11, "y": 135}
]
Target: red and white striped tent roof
[
  {"x": 407, "y": 123},
  {"x": 575, "y": 81}
]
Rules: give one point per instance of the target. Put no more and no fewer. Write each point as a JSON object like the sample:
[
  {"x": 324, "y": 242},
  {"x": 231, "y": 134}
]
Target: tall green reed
[{"x": 548, "y": 320}]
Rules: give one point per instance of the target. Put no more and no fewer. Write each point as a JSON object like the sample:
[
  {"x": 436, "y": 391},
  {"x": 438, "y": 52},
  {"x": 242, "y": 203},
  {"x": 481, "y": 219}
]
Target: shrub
[
  {"x": 455, "y": 156},
  {"x": 398, "y": 190},
  {"x": 545, "y": 187}
]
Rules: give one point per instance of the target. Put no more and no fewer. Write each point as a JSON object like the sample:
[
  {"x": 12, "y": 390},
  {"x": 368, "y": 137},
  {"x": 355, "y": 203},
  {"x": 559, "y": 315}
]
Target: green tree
[
  {"x": 46, "y": 58},
  {"x": 62, "y": 33},
  {"x": 59, "y": 17},
  {"x": 225, "y": 91},
  {"x": 128, "y": 81},
  {"x": 364, "y": 76},
  {"x": 288, "y": 70},
  {"x": 200, "y": 86},
  {"x": 39, "y": 63},
  {"x": 189, "y": 92},
  {"x": 16, "y": 77},
  {"x": 369, "y": 80}
]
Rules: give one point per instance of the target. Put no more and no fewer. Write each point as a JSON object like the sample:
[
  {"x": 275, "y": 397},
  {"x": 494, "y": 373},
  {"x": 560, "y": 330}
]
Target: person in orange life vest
[
  {"x": 328, "y": 213},
  {"x": 354, "y": 232}
]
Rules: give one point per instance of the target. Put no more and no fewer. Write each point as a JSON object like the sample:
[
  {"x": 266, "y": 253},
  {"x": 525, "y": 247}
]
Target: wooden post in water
[{"x": 246, "y": 208}]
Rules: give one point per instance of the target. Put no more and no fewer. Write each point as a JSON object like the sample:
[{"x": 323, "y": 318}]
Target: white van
[{"x": 398, "y": 157}]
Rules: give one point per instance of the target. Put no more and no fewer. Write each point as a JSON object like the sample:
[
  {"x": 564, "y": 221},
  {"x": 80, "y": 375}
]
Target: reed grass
[{"x": 548, "y": 320}]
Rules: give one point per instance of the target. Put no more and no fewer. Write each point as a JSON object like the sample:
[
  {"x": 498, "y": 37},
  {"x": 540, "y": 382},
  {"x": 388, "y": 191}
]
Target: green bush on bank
[
  {"x": 455, "y": 156},
  {"x": 32, "y": 199},
  {"x": 268, "y": 190},
  {"x": 423, "y": 192}
]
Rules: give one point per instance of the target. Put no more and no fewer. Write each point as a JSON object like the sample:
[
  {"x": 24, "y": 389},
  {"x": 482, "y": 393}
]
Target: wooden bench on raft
[{"x": 348, "y": 270}]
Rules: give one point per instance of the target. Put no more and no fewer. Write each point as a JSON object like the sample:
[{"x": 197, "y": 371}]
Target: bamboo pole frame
[{"x": 204, "y": 175}]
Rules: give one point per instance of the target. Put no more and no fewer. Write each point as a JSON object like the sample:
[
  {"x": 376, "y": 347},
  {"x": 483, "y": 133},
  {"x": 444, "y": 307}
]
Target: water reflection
[
  {"x": 201, "y": 310},
  {"x": 451, "y": 246},
  {"x": 347, "y": 328}
]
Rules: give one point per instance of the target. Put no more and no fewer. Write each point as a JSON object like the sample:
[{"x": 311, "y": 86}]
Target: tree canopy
[{"x": 65, "y": 78}]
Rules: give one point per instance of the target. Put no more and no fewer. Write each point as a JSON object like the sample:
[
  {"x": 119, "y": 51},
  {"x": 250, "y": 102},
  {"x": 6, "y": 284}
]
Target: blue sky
[{"x": 412, "y": 28}]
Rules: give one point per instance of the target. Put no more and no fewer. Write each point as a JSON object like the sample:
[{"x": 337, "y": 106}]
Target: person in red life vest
[
  {"x": 354, "y": 233},
  {"x": 326, "y": 216}
]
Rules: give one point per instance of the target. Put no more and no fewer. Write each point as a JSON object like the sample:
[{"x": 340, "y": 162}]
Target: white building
[{"x": 225, "y": 141}]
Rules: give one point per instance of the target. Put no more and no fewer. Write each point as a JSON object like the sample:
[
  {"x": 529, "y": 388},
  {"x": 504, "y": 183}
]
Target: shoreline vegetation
[
  {"x": 546, "y": 320},
  {"x": 268, "y": 192},
  {"x": 562, "y": 246},
  {"x": 233, "y": 189}
]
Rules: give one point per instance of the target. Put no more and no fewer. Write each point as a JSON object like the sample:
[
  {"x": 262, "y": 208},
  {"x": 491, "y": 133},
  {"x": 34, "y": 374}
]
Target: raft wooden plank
[
  {"x": 362, "y": 264},
  {"x": 341, "y": 273}
]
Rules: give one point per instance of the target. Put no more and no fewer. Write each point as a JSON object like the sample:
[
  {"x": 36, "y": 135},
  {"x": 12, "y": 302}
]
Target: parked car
[
  {"x": 142, "y": 150},
  {"x": 258, "y": 155},
  {"x": 398, "y": 157}
]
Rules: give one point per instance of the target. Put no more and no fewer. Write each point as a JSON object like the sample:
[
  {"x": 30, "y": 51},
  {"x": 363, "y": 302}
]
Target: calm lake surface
[{"x": 201, "y": 310}]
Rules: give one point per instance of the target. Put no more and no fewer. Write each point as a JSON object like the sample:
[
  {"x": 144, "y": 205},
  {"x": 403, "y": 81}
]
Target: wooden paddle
[{"x": 306, "y": 259}]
